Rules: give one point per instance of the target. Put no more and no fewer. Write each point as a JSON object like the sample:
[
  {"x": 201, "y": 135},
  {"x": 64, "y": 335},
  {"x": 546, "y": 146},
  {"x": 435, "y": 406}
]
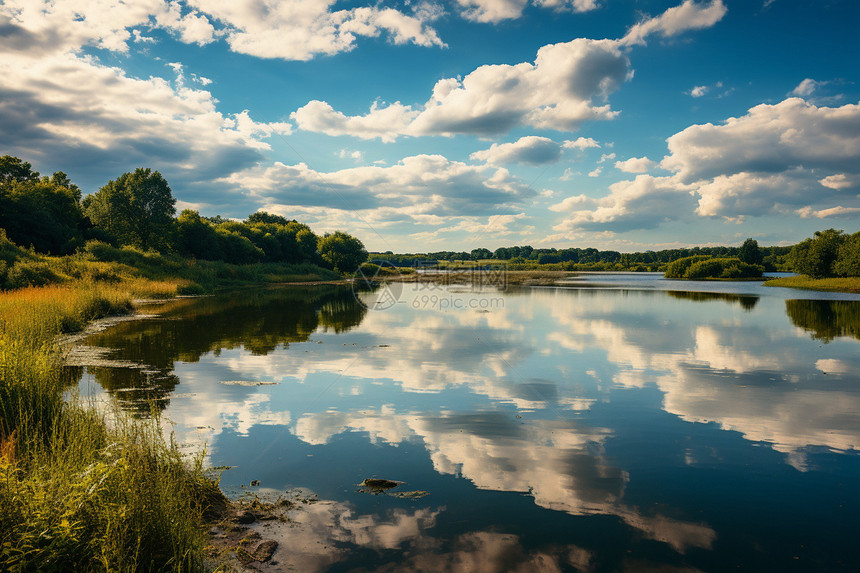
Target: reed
[{"x": 81, "y": 488}]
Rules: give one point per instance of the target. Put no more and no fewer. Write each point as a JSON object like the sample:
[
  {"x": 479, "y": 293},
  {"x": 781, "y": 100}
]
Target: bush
[
  {"x": 713, "y": 268},
  {"x": 30, "y": 274},
  {"x": 678, "y": 269}
]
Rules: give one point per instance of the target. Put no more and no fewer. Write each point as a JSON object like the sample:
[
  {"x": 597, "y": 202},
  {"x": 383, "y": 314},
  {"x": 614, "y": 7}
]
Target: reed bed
[{"x": 83, "y": 489}]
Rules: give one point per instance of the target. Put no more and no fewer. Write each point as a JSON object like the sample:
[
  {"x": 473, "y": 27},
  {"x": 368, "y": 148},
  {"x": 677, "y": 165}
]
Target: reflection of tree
[
  {"x": 826, "y": 319},
  {"x": 258, "y": 321},
  {"x": 748, "y": 302}
]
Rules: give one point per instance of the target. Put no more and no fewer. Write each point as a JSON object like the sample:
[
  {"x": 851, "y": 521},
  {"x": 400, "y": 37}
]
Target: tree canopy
[
  {"x": 342, "y": 251},
  {"x": 137, "y": 208}
]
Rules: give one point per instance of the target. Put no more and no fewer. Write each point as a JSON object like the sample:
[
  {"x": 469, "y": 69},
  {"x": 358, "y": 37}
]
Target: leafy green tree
[
  {"x": 137, "y": 209},
  {"x": 16, "y": 169},
  {"x": 750, "y": 253},
  {"x": 196, "y": 237},
  {"x": 848, "y": 259},
  {"x": 815, "y": 257},
  {"x": 43, "y": 213},
  {"x": 342, "y": 251},
  {"x": 264, "y": 217}
]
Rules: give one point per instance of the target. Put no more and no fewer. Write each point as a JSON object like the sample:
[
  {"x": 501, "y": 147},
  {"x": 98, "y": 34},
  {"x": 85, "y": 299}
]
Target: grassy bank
[
  {"x": 82, "y": 490},
  {"x": 100, "y": 263},
  {"x": 836, "y": 284}
]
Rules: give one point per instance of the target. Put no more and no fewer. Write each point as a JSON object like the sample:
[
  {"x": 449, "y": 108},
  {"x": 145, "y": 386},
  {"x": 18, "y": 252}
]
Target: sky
[{"x": 423, "y": 126}]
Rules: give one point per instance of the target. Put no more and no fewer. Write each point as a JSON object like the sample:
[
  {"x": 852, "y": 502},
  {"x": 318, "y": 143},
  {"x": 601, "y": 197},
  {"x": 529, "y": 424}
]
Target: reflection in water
[
  {"x": 592, "y": 430},
  {"x": 257, "y": 321},
  {"x": 747, "y": 302},
  {"x": 826, "y": 319}
]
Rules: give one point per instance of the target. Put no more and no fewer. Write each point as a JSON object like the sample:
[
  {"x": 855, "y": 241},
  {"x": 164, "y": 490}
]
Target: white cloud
[
  {"x": 571, "y": 203},
  {"x": 422, "y": 184},
  {"x": 606, "y": 157},
  {"x": 751, "y": 193},
  {"x": 193, "y": 27},
  {"x": 558, "y": 91},
  {"x": 385, "y": 122},
  {"x": 774, "y": 155},
  {"x": 495, "y": 11},
  {"x": 635, "y": 165},
  {"x": 841, "y": 181},
  {"x": 643, "y": 203},
  {"x": 60, "y": 105},
  {"x": 769, "y": 138},
  {"x": 566, "y": 86},
  {"x": 287, "y": 30},
  {"x": 699, "y": 91},
  {"x": 580, "y": 143},
  {"x": 838, "y": 211},
  {"x": 530, "y": 149},
  {"x": 690, "y": 15},
  {"x": 571, "y": 5},
  {"x": 595, "y": 172},
  {"x": 806, "y": 87},
  {"x": 491, "y": 10}
]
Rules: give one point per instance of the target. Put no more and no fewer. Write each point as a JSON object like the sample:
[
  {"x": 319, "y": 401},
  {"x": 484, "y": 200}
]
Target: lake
[{"x": 617, "y": 423}]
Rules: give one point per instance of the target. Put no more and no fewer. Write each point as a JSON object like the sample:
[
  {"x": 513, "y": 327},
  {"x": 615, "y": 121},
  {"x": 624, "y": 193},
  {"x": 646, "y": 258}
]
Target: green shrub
[
  {"x": 26, "y": 274},
  {"x": 678, "y": 269}
]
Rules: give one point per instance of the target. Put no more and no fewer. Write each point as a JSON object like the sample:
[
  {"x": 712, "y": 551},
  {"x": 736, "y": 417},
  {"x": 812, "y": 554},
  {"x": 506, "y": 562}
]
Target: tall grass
[{"x": 80, "y": 489}]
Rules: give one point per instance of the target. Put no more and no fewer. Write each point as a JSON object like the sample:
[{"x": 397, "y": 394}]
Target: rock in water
[
  {"x": 265, "y": 550},
  {"x": 380, "y": 484}
]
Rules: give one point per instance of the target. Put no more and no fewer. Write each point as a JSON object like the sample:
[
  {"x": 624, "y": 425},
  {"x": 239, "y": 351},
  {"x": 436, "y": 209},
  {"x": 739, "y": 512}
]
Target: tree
[
  {"x": 264, "y": 217},
  {"x": 43, "y": 213},
  {"x": 196, "y": 237},
  {"x": 342, "y": 251},
  {"x": 137, "y": 209},
  {"x": 816, "y": 256},
  {"x": 750, "y": 253},
  {"x": 16, "y": 169},
  {"x": 848, "y": 260}
]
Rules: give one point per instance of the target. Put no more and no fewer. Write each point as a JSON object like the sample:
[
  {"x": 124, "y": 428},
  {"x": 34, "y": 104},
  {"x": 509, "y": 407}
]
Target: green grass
[
  {"x": 835, "y": 284},
  {"x": 83, "y": 489}
]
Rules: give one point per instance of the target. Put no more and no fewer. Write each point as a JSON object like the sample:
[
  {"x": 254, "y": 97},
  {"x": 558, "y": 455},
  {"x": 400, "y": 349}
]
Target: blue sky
[{"x": 622, "y": 124}]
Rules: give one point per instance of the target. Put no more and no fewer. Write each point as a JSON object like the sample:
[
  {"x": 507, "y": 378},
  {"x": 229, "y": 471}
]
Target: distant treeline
[
  {"x": 772, "y": 258},
  {"x": 137, "y": 210}
]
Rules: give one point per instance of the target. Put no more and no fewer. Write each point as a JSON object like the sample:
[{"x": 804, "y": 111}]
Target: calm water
[{"x": 611, "y": 425}]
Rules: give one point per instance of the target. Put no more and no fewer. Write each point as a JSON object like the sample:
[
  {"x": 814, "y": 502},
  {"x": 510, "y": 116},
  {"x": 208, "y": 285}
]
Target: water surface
[{"x": 620, "y": 423}]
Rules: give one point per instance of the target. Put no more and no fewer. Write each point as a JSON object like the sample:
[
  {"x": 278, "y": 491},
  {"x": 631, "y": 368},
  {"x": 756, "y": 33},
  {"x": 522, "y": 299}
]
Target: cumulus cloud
[
  {"x": 838, "y": 211},
  {"x": 571, "y": 203},
  {"x": 530, "y": 149},
  {"x": 385, "y": 122},
  {"x": 567, "y": 85},
  {"x": 769, "y": 157},
  {"x": 699, "y": 91},
  {"x": 564, "y": 87},
  {"x": 806, "y": 87},
  {"x": 635, "y": 165},
  {"x": 421, "y": 184},
  {"x": 495, "y": 11},
  {"x": 690, "y": 15},
  {"x": 791, "y": 157},
  {"x": 841, "y": 181},
  {"x": 287, "y": 30},
  {"x": 580, "y": 143},
  {"x": 643, "y": 203},
  {"x": 70, "y": 107},
  {"x": 301, "y": 31}
]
